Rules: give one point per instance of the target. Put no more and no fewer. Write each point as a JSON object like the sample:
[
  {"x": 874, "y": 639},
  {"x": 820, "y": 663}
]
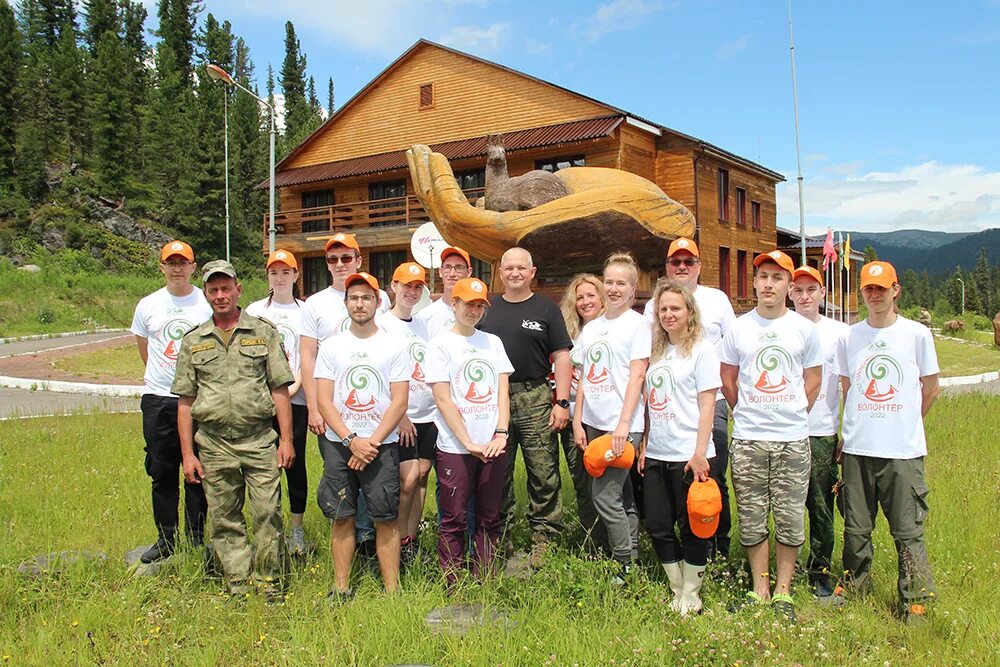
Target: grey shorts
[
  {"x": 337, "y": 493},
  {"x": 771, "y": 477}
]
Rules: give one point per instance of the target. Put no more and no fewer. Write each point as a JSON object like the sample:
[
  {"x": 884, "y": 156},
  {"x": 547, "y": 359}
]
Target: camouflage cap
[{"x": 218, "y": 266}]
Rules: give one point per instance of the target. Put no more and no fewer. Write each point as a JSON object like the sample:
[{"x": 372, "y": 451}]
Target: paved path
[
  {"x": 22, "y": 403},
  {"x": 983, "y": 388},
  {"x": 28, "y": 346}
]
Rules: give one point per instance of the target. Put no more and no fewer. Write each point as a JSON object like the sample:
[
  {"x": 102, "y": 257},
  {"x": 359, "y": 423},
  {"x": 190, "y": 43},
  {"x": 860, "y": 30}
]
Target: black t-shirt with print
[{"x": 530, "y": 330}]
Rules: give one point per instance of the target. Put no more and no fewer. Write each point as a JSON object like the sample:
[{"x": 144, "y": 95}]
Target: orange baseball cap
[
  {"x": 284, "y": 257},
  {"x": 878, "y": 273},
  {"x": 177, "y": 248},
  {"x": 362, "y": 277},
  {"x": 455, "y": 250},
  {"x": 704, "y": 507},
  {"x": 409, "y": 272},
  {"x": 598, "y": 456},
  {"x": 777, "y": 257},
  {"x": 808, "y": 271},
  {"x": 682, "y": 243},
  {"x": 471, "y": 289},
  {"x": 346, "y": 240}
]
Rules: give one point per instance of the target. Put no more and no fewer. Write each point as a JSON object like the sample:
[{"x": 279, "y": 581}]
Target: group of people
[{"x": 464, "y": 383}]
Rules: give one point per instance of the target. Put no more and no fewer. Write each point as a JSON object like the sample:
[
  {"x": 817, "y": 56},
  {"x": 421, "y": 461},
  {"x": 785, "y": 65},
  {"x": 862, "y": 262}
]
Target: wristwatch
[
  {"x": 501, "y": 431},
  {"x": 346, "y": 442},
  {"x": 563, "y": 403}
]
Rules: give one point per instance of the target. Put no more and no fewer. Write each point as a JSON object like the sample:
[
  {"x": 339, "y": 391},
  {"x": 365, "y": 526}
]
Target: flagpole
[
  {"x": 840, "y": 272},
  {"x": 798, "y": 149}
]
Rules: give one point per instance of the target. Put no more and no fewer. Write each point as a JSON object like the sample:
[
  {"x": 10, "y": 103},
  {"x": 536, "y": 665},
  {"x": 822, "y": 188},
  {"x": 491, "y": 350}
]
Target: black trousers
[
  {"x": 666, "y": 506},
  {"x": 163, "y": 465},
  {"x": 720, "y": 466},
  {"x": 296, "y": 476}
]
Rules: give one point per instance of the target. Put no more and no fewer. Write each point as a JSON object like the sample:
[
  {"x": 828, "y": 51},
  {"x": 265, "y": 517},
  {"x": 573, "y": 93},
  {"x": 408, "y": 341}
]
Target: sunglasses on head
[
  {"x": 688, "y": 261},
  {"x": 341, "y": 259}
]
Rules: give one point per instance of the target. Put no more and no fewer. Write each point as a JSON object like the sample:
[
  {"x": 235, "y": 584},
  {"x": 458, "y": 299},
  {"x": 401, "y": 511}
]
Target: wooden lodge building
[{"x": 351, "y": 173}]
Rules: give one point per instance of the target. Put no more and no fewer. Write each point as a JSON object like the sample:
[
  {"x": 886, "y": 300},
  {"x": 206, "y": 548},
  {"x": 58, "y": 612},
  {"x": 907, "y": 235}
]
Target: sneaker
[
  {"x": 238, "y": 589},
  {"x": 538, "y": 551},
  {"x": 784, "y": 608},
  {"x": 408, "y": 551},
  {"x": 339, "y": 597},
  {"x": 366, "y": 548},
  {"x": 297, "y": 541},
  {"x": 749, "y": 601},
  {"x": 915, "y": 615},
  {"x": 161, "y": 551},
  {"x": 624, "y": 569},
  {"x": 827, "y": 597},
  {"x": 273, "y": 595}
]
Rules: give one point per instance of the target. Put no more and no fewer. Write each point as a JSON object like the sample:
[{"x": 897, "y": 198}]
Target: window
[
  {"x": 724, "y": 270},
  {"x": 427, "y": 96},
  {"x": 474, "y": 179},
  {"x": 741, "y": 206},
  {"x": 557, "y": 163},
  {"x": 482, "y": 270},
  {"x": 395, "y": 215},
  {"x": 316, "y": 199},
  {"x": 722, "y": 185},
  {"x": 755, "y": 214},
  {"x": 741, "y": 274},
  {"x": 382, "y": 264},
  {"x": 315, "y": 276}
]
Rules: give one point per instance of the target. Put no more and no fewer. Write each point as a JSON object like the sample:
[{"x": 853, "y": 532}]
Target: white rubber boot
[
  {"x": 693, "y": 576},
  {"x": 676, "y": 577}
]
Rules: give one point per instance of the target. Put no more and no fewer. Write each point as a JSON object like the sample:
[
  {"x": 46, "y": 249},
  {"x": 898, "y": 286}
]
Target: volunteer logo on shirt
[
  {"x": 661, "y": 388},
  {"x": 287, "y": 338},
  {"x": 598, "y": 356},
  {"x": 362, "y": 384},
  {"x": 480, "y": 378},
  {"x": 174, "y": 331},
  {"x": 773, "y": 364},
  {"x": 416, "y": 352},
  {"x": 881, "y": 376}
]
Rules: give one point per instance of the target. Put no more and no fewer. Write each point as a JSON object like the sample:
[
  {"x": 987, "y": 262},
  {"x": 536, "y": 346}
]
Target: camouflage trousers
[
  {"x": 771, "y": 477},
  {"x": 819, "y": 504},
  {"x": 235, "y": 469},
  {"x": 898, "y": 486}
]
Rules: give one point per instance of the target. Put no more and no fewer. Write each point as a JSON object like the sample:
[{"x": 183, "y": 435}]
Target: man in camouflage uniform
[{"x": 232, "y": 378}]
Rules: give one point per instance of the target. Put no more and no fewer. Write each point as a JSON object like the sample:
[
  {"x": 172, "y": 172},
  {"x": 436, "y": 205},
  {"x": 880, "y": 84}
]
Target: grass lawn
[
  {"x": 112, "y": 362},
  {"x": 78, "y": 483},
  {"x": 965, "y": 358}
]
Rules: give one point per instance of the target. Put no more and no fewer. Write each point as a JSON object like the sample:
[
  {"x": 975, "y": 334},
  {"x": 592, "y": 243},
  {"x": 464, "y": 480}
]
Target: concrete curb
[
  {"x": 21, "y": 339},
  {"x": 963, "y": 380},
  {"x": 117, "y": 390}
]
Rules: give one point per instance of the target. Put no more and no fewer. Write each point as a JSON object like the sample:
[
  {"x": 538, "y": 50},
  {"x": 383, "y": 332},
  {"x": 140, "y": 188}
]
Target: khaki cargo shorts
[{"x": 773, "y": 477}]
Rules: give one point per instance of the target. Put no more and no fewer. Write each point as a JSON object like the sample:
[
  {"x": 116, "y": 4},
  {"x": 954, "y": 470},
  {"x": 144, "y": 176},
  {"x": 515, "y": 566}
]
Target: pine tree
[
  {"x": 10, "y": 65},
  {"x": 293, "y": 87},
  {"x": 248, "y": 127},
  {"x": 137, "y": 80},
  {"x": 329, "y": 98},
  {"x": 101, "y": 17},
  {"x": 70, "y": 93},
  {"x": 953, "y": 291},
  {"x": 984, "y": 287},
  {"x": 109, "y": 109},
  {"x": 870, "y": 254}
]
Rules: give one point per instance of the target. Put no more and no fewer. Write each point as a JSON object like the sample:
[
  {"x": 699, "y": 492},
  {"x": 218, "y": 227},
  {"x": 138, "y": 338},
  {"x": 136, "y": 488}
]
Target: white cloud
[
  {"x": 619, "y": 15},
  {"x": 930, "y": 195},
  {"x": 534, "y": 47},
  {"x": 729, "y": 49},
  {"x": 471, "y": 38}
]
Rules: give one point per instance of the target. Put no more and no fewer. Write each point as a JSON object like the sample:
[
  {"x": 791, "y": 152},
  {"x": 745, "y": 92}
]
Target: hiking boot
[
  {"x": 826, "y": 596},
  {"x": 915, "y": 615},
  {"x": 624, "y": 569},
  {"x": 338, "y": 597},
  {"x": 238, "y": 589},
  {"x": 161, "y": 551},
  {"x": 408, "y": 551},
  {"x": 749, "y": 601},
  {"x": 297, "y": 541},
  {"x": 273, "y": 595},
  {"x": 784, "y": 608}
]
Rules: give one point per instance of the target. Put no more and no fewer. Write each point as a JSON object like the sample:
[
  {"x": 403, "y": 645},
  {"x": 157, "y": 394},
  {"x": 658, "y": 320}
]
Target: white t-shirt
[
  {"x": 420, "y": 409},
  {"x": 287, "y": 318},
  {"x": 436, "y": 318},
  {"x": 472, "y": 366},
  {"x": 361, "y": 370},
  {"x": 325, "y": 314},
  {"x": 672, "y": 387},
  {"x": 606, "y": 349},
  {"x": 882, "y": 408},
  {"x": 771, "y": 355},
  {"x": 715, "y": 310},
  {"x": 163, "y": 319},
  {"x": 824, "y": 418}
]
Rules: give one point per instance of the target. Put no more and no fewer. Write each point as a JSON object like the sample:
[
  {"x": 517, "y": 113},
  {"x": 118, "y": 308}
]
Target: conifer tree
[{"x": 10, "y": 66}]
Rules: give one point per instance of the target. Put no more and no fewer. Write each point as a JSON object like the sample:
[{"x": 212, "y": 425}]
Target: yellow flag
[{"x": 847, "y": 253}]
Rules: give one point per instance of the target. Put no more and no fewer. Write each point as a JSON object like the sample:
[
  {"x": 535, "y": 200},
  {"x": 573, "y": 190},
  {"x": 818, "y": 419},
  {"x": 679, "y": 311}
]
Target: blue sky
[{"x": 897, "y": 99}]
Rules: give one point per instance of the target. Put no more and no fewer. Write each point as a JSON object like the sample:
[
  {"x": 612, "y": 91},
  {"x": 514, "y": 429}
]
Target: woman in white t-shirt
[
  {"x": 417, "y": 432},
  {"x": 468, "y": 371},
  {"x": 582, "y": 302},
  {"x": 681, "y": 385},
  {"x": 283, "y": 309},
  {"x": 614, "y": 352}
]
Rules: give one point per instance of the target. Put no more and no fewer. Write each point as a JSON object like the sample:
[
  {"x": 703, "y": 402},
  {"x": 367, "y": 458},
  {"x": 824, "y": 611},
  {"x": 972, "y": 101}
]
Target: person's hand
[
  {"x": 618, "y": 439},
  {"x": 838, "y": 451},
  {"x": 699, "y": 466},
  {"x": 193, "y": 472},
  {"x": 286, "y": 454},
  {"x": 558, "y": 418},
  {"x": 642, "y": 462},
  {"x": 496, "y": 446},
  {"x": 356, "y": 464},
  {"x": 579, "y": 436},
  {"x": 316, "y": 423},
  {"x": 407, "y": 432},
  {"x": 476, "y": 450},
  {"x": 363, "y": 449}
]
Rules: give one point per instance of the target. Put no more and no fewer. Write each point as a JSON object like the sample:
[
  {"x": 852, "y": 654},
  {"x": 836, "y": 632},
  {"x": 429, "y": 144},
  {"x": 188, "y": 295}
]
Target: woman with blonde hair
[
  {"x": 582, "y": 302},
  {"x": 681, "y": 384},
  {"x": 613, "y": 350}
]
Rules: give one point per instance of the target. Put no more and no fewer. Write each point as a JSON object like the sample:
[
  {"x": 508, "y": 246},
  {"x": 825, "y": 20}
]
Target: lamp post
[
  {"x": 216, "y": 73},
  {"x": 962, "y": 283}
]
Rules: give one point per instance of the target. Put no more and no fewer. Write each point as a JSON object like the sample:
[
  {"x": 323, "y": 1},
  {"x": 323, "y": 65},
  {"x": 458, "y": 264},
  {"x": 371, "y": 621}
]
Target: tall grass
[{"x": 77, "y": 482}]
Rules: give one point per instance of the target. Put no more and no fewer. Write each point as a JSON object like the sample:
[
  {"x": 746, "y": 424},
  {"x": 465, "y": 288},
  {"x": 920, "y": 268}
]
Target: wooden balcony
[{"x": 378, "y": 223}]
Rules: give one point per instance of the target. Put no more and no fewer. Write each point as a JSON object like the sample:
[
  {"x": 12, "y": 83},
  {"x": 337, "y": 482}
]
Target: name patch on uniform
[
  {"x": 201, "y": 347},
  {"x": 252, "y": 341}
]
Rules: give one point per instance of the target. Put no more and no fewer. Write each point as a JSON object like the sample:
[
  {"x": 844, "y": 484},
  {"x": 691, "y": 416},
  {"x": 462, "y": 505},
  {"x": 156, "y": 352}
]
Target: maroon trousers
[{"x": 461, "y": 477}]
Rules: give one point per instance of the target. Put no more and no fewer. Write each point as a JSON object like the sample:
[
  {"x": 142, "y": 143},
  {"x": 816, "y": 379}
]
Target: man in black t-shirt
[{"x": 534, "y": 335}]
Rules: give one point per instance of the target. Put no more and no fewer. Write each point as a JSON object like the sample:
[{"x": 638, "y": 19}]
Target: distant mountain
[{"x": 935, "y": 252}]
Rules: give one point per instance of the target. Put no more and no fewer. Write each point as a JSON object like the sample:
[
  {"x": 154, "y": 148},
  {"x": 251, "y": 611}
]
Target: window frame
[{"x": 722, "y": 186}]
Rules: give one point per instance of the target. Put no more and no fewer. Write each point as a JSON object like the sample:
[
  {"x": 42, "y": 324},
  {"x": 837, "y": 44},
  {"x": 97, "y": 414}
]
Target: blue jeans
[{"x": 364, "y": 529}]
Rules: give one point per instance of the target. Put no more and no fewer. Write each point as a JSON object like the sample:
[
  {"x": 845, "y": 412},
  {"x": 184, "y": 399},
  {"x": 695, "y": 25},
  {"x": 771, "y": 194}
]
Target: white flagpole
[
  {"x": 840, "y": 272},
  {"x": 798, "y": 150}
]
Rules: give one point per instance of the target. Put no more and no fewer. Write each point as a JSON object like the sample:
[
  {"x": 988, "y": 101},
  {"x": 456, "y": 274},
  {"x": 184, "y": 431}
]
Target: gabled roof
[{"x": 658, "y": 129}]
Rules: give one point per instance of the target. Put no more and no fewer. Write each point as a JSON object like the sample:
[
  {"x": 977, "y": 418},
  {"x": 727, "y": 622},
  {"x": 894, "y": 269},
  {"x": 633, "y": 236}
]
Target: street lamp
[
  {"x": 216, "y": 73},
  {"x": 962, "y": 283}
]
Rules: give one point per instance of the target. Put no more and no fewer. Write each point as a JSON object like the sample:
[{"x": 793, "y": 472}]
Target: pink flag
[{"x": 829, "y": 250}]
